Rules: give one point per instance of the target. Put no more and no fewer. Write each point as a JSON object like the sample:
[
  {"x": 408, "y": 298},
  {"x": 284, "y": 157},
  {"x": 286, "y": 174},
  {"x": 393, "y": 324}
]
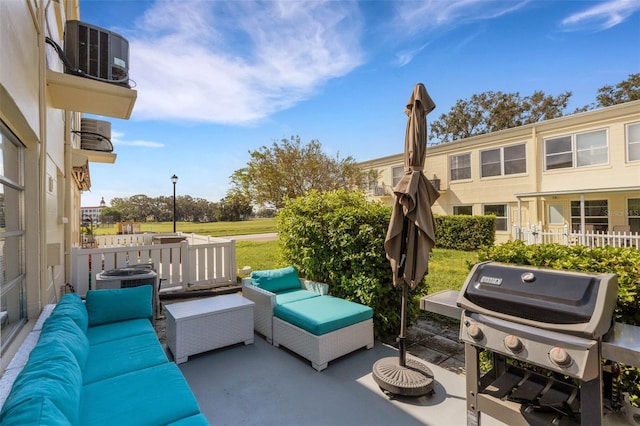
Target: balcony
[{"x": 80, "y": 94}]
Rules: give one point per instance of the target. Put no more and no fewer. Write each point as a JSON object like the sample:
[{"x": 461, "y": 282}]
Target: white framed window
[
  {"x": 500, "y": 212},
  {"x": 633, "y": 214},
  {"x": 506, "y": 160},
  {"x": 577, "y": 150},
  {"x": 12, "y": 266},
  {"x": 556, "y": 214},
  {"x": 396, "y": 175},
  {"x": 633, "y": 142},
  {"x": 460, "y": 166},
  {"x": 465, "y": 210},
  {"x": 596, "y": 215}
]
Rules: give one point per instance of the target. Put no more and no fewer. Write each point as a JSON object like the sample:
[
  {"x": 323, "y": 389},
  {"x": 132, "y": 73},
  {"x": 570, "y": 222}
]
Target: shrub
[
  {"x": 338, "y": 238},
  {"x": 463, "y": 232}
]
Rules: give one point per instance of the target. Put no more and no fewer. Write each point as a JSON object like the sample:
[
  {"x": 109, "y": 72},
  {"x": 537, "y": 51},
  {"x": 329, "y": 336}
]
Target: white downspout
[{"x": 42, "y": 134}]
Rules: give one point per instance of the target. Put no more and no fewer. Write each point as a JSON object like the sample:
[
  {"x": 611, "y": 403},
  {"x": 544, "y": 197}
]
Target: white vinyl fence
[
  {"x": 196, "y": 261},
  {"x": 533, "y": 234}
]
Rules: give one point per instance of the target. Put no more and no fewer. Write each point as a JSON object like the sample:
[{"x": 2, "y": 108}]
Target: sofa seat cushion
[
  {"x": 34, "y": 411},
  {"x": 289, "y": 296},
  {"x": 122, "y": 356},
  {"x": 154, "y": 396},
  {"x": 323, "y": 314},
  {"x": 118, "y": 330},
  {"x": 276, "y": 280}
]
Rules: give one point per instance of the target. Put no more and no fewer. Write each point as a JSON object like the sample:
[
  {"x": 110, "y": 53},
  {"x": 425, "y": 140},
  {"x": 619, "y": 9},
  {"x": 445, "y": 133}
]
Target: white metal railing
[
  {"x": 534, "y": 234},
  {"x": 180, "y": 265}
]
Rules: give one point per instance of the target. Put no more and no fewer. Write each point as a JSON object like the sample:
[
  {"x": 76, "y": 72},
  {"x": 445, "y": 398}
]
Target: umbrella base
[{"x": 415, "y": 379}]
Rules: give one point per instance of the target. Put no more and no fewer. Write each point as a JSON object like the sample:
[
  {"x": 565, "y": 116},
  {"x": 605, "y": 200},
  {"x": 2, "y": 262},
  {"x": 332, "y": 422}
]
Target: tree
[
  {"x": 290, "y": 169},
  {"x": 626, "y": 91},
  {"x": 492, "y": 111},
  {"x": 234, "y": 207},
  {"x": 110, "y": 215}
]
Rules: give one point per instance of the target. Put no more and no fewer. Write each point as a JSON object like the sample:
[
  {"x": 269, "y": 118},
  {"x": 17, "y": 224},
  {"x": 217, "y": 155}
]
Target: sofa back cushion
[
  {"x": 52, "y": 372},
  {"x": 66, "y": 331},
  {"x": 107, "y": 306},
  {"x": 34, "y": 411},
  {"x": 276, "y": 280},
  {"x": 72, "y": 306}
]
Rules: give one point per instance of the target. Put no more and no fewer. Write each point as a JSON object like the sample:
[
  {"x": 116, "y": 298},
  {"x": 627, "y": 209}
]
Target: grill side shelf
[
  {"x": 622, "y": 344},
  {"x": 443, "y": 303}
]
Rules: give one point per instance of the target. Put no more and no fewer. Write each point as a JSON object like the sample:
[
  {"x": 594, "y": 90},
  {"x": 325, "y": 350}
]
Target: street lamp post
[{"x": 174, "y": 180}]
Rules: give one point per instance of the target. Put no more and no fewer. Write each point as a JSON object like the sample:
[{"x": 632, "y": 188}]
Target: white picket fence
[
  {"x": 534, "y": 234},
  {"x": 198, "y": 261}
]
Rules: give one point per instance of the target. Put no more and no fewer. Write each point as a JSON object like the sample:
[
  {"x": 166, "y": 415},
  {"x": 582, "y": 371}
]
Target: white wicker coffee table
[{"x": 202, "y": 325}]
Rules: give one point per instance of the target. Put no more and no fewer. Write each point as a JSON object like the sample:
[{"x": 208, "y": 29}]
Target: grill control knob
[
  {"x": 513, "y": 343},
  {"x": 560, "y": 357},
  {"x": 475, "y": 332}
]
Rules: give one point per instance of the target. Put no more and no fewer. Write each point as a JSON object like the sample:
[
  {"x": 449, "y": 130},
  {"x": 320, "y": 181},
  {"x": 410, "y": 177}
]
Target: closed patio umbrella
[{"x": 410, "y": 238}]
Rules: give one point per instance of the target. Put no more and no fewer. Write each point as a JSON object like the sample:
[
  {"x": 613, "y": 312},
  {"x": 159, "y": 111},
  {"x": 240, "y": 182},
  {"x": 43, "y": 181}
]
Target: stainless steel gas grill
[{"x": 544, "y": 329}]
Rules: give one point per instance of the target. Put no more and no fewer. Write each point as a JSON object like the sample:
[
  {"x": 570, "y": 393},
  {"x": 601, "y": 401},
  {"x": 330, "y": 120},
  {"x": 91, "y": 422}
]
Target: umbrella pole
[{"x": 402, "y": 339}]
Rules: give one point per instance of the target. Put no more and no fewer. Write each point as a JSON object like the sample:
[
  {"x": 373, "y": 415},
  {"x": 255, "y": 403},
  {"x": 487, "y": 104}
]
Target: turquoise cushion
[
  {"x": 121, "y": 356},
  {"x": 71, "y": 305},
  {"x": 154, "y": 396},
  {"x": 66, "y": 331},
  {"x": 275, "y": 280},
  {"x": 53, "y": 373},
  {"x": 323, "y": 314},
  {"x": 289, "y": 296},
  {"x": 118, "y": 330},
  {"x": 34, "y": 411},
  {"x": 106, "y": 306}
]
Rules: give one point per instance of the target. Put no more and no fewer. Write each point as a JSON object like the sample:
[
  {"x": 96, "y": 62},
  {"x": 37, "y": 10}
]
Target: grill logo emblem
[{"x": 491, "y": 280}]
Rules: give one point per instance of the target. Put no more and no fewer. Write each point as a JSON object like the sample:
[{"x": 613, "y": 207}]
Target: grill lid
[{"x": 561, "y": 300}]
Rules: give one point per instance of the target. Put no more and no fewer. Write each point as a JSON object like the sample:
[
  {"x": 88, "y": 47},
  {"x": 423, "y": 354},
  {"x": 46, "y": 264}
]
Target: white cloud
[
  {"x": 433, "y": 16},
  {"x": 602, "y": 16},
  {"x": 117, "y": 139},
  {"x": 238, "y": 62}
]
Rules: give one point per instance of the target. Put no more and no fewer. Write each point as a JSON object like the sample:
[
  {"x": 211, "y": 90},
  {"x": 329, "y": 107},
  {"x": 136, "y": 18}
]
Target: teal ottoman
[{"x": 323, "y": 328}]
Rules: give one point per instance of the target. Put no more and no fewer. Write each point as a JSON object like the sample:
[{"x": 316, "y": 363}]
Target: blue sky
[{"x": 217, "y": 79}]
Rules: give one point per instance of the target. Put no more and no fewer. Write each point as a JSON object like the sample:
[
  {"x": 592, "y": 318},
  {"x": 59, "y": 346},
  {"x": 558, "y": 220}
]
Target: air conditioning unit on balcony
[
  {"x": 95, "y": 135},
  {"x": 379, "y": 191},
  {"x": 96, "y": 53}
]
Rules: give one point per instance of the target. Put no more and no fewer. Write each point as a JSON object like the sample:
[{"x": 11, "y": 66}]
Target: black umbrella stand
[{"x": 402, "y": 376}]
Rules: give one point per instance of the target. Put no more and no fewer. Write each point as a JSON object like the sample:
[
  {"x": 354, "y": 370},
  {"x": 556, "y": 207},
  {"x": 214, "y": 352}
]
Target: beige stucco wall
[{"x": 616, "y": 175}]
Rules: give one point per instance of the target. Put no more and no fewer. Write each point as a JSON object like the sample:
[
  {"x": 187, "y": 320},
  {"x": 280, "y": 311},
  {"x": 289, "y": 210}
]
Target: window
[
  {"x": 577, "y": 150},
  {"x": 503, "y": 161},
  {"x": 467, "y": 210},
  {"x": 12, "y": 277},
  {"x": 556, "y": 214},
  {"x": 500, "y": 212},
  {"x": 396, "y": 175},
  {"x": 633, "y": 142},
  {"x": 460, "y": 166},
  {"x": 595, "y": 215},
  {"x": 633, "y": 214}
]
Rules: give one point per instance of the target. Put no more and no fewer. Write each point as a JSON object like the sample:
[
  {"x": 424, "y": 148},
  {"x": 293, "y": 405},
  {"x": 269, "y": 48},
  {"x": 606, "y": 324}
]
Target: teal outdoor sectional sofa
[
  {"x": 100, "y": 362},
  {"x": 300, "y": 315}
]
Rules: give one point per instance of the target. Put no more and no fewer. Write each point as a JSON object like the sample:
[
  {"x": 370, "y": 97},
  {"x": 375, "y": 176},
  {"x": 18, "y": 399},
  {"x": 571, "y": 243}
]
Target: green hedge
[
  {"x": 463, "y": 232},
  {"x": 338, "y": 238}
]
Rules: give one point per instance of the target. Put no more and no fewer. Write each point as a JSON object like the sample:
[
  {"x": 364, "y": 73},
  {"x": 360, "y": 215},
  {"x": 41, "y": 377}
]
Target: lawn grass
[
  {"x": 259, "y": 255},
  {"x": 448, "y": 269},
  {"x": 213, "y": 229}
]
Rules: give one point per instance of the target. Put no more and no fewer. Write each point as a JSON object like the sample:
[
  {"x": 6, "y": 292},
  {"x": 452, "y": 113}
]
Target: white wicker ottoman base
[{"x": 327, "y": 347}]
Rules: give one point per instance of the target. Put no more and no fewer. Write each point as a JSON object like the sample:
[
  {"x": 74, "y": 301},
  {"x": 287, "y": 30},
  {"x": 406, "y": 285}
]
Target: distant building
[
  {"x": 92, "y": 213},
  {"x": 577, "y": 170}
]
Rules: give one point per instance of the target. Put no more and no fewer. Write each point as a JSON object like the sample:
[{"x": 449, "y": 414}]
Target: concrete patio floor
[{"x": 260, "y": 384}]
